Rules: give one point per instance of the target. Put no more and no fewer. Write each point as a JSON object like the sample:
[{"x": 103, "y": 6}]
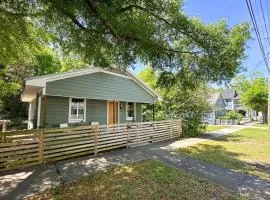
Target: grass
[
  {"x": 147, "y": 179},
  {"x": 247, "y": 151},
  {"x": 215, "y": 127},
  {"x": 261, "y": 125}
]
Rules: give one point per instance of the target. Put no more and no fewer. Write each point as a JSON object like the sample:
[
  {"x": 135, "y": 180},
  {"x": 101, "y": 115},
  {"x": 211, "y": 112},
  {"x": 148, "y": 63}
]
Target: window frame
[
  {"x": 84, "y": 111},
  {"x": 134, "y": 112}
]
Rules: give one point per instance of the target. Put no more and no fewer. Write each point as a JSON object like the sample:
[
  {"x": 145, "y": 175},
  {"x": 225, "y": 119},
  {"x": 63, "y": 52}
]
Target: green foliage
[
  {"x": 178, "y": 101},
  {"x": 155, "y": 32},
  {"x": 256, "y": 96},
  {"x": 232, "y": 115},
  {"x": 149, "y": 76},
  {"x": 241, "y": 84}
]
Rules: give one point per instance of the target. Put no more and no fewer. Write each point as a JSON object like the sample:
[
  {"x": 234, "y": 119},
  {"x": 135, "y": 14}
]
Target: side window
[{"x": 130, "y": 111}]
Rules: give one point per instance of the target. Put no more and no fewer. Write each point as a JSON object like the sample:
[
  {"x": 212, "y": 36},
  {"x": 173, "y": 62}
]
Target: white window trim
[
  {"x": 134, "y": 110},
  {"x": 69, "y": 111}
]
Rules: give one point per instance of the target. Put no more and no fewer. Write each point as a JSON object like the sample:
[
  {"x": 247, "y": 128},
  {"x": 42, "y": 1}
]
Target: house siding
[
  {"x": 99, "y": 86},
  {"x": 57, "y": 111},
  {"x": 96, "y": 111}
]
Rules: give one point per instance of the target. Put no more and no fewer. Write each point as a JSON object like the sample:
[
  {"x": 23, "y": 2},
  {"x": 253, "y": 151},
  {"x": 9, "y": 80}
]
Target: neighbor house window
[
  {"x": 131, "y": 111},
  {"x": 77, "y": 109}
]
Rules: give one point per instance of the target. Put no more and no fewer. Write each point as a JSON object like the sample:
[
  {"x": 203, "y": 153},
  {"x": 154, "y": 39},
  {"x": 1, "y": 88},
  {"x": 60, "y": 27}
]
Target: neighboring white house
[
  {"x": 218, "y": 105},
  {"x": 223, "y": 102}
]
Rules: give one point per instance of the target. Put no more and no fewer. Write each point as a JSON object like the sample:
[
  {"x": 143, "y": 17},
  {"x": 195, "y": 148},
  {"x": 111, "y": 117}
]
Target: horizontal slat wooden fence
[
  {"x": 27, "y": 148},
  {"x": 19, "y": 149}
]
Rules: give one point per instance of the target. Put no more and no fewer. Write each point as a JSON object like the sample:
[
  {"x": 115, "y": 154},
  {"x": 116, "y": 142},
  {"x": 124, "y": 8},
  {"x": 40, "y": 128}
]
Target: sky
[{"x": 234, "y": 12}]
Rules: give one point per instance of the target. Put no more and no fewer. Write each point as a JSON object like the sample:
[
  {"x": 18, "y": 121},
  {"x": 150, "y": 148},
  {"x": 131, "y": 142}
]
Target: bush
[{"x": 232, "y": 115}]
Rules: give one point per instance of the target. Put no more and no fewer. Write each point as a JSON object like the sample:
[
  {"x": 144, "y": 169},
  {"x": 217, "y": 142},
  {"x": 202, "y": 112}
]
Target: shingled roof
[{"x": 229, "y": 93}]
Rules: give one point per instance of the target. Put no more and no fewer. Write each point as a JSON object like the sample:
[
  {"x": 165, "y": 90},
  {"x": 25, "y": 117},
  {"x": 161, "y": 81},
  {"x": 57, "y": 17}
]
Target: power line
[
  {"x": 267, "y": 9},
  {"x": 253, "y": 19},
  {"x": 260, "y": 24},
  {"x": 266, "y": 29},
  {"x": 258, "y": 64}
]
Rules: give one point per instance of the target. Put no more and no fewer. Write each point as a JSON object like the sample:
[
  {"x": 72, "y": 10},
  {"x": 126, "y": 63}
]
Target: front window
[
  {"x": 130, "y": 111},
  {"x": 77, "y": 110}
]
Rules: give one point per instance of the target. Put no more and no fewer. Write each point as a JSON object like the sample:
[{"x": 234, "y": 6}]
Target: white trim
[
  {"x": 38, "y": 111},
  {"x": 143, "y": 85},
  {"x": 79, "y": 97},
  {"x": 84, "y": 117},
  {"x": 69, "y": 111},
  {"x": 134, "y": 112}
]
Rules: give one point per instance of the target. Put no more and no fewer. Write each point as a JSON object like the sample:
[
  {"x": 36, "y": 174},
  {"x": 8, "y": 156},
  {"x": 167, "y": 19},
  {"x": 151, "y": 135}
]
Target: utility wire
[
  {"x": 253, "y": 19},
  {"x": 267, "y": 36},
  {"x": 258, "y": 64},
  {"x": 267, "y": 10},
  {"x": 260, "y": 24}
]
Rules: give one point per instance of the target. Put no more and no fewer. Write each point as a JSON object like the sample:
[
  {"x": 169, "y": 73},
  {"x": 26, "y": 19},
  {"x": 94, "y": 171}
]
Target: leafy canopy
[
  {"x": 117, "y": 32},
  {"x": 256, "y": 95}
]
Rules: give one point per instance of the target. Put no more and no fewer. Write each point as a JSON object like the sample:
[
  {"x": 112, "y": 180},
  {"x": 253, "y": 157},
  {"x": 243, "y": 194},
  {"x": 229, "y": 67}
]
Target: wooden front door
[{"x": 113, "y": 112}]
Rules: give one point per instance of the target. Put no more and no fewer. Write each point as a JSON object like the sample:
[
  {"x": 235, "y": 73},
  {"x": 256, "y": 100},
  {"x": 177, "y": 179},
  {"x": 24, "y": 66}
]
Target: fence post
[
  {"x": 127, "y": 135},
  {"x": 180, "y": 127},
  {"x": 171, "y": 128},
  {"x": 96, "y": 138},
  {"x": 137, "y": 133},
  {"x": 41, "y": 146}
]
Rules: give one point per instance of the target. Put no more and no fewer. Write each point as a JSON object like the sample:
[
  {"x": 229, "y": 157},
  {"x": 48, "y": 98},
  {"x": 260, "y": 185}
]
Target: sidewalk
[
  {"x": 19, "y": 184},
  {"x": 213, "y": 134}
]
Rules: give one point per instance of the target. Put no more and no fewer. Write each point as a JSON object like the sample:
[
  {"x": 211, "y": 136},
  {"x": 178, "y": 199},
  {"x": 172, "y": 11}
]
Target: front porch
[{"x": 54, "y": 111}]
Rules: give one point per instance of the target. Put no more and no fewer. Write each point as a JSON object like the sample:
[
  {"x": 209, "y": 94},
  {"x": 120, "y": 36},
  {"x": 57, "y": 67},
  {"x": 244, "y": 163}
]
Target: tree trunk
[{"x": 264, "y": 115}]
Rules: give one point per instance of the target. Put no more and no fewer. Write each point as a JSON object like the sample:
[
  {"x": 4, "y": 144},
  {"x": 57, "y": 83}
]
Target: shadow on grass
[{"x": 220, "y": 156}]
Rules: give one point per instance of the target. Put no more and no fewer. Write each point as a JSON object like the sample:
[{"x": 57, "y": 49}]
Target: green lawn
[
  {"x": 247, "y": 151},
  {"x": 261, "y": 125},
  {"x": 148, "y": 179},
  {"x": 215, "y": 127}
]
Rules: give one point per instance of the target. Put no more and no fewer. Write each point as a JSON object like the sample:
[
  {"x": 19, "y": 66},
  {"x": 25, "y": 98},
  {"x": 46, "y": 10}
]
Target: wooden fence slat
[{"x": 27, "y": 148}]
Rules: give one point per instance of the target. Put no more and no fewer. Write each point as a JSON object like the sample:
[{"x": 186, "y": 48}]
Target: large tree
[{"x": 155, "y": 32}]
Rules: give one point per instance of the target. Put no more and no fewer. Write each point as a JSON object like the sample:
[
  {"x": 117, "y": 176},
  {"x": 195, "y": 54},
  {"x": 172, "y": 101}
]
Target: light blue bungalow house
[{"x": 90, "y": 96}]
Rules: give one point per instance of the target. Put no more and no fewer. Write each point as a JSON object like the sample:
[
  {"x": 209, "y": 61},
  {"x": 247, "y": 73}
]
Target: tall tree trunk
[{"x": 264, "y": 115}]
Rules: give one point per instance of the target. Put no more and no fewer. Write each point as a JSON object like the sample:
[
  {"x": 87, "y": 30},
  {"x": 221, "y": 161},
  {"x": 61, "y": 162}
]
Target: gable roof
[
  {"x": 213, "y": 98},
  {"x": 229, "y": 93},
  {"x": 40, "y": 81}
]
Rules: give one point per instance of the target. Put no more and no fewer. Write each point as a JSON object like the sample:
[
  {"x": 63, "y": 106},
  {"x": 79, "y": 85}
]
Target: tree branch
[
  {"x": 74, "y": 20},
  {"x": 131, "y": 7},
  {"x": 159, "y": 46},
  {"x": 106, "y": 23}
]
